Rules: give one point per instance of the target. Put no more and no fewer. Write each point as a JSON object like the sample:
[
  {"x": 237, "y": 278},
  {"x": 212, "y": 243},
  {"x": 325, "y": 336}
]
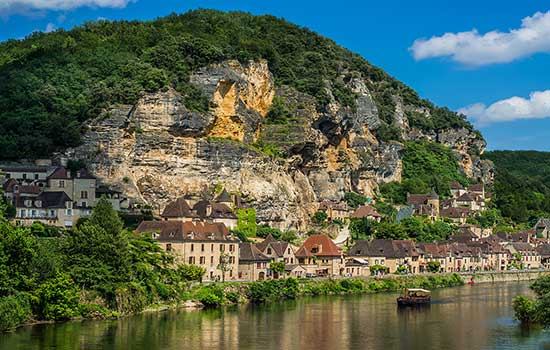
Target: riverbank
[
  {"x": 220, "y": 294},
  {"x": 504, "y": 276}
]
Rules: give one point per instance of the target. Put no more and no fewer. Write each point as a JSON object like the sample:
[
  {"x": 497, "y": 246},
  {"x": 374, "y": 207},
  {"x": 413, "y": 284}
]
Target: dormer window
[
  {"x": 38, "y": 204},
  {"x": 28, "y": 203},
  {"x": 172, "y": 234}
]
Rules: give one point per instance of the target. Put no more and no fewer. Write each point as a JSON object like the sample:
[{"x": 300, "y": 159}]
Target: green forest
[
  {"x": 50, "y": 83},
  {"x": 522, "y": 184}
]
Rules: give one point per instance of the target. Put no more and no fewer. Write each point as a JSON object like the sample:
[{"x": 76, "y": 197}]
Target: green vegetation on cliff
[
  {"x": 522, "y": 184},
  {"x": 427, "y": 167},
  {"x": 50, "y": 83}
]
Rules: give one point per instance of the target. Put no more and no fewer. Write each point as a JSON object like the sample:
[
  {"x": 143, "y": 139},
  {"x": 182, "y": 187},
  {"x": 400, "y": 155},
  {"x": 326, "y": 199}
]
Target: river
[{"x": 463, "y": 318}]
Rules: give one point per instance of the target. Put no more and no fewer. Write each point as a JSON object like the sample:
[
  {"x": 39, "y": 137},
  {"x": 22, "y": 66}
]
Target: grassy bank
[{"x": 219, "y": 294}]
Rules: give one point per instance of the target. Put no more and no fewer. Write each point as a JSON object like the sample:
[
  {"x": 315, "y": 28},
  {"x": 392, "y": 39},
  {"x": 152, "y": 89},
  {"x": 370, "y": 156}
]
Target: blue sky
[{"x": 458, "y": 70}]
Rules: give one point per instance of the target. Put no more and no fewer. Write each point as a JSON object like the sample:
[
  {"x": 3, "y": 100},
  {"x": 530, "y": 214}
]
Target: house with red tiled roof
[
  {"x": 197, "y": 243},
  {"x": 320, "y": 256},
  {"x": 368, "y": 212}
]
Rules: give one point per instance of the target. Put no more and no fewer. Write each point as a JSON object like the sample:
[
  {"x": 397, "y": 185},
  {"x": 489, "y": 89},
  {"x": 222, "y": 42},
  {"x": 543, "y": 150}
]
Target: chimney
[{"x": 209, "y": 210}]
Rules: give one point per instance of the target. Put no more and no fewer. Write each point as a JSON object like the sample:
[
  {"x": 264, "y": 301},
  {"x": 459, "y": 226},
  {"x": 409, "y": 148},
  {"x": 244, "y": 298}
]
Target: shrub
[
  {"x": 96, "y": 312},
  {"x": 14, "y": 311},
  {"x": 433, "y": 266},
  {"x": 58, "y": 298},
  {"x": 191, "y": 272},
  {"x": 523, "y": 309},
  {"x": 319, "y": 217},
  {"x": 211, "y": 296}
]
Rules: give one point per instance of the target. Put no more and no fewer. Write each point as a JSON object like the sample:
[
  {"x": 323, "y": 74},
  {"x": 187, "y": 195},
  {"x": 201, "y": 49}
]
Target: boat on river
[{"x": 414, "y": 297}]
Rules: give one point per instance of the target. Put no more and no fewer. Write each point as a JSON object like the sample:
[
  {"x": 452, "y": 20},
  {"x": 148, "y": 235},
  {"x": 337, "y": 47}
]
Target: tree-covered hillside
[
  {"x": 522, "y": 183},
  {"x": 51, "y": 83}
]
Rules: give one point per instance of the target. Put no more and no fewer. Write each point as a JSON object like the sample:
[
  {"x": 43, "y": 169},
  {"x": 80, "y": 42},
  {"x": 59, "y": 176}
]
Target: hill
[
  {"x": 522, "y": 183},
  {"x": 268, "y": 109}
]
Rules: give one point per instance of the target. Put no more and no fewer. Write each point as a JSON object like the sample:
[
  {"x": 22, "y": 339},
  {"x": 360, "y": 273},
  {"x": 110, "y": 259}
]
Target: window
[
  {"x": 169, "y": 247},
  {"x": 211, "y": 247},
  {"x": 202, "y": 247},
  {"x": 202, "y": 260},
  {"x": 222, "y": 248},
  {"x": 211, "y": 260},
  {"x": 68, "y": 212},
  {"x": 36, "y": 176},
  {"x": 259, "y": 265},
  {"x": 231, "y": 247},
  {"x": 230, "y": 273},
  {"x": 269, "y": 251},
  {"x": 84, "y": 194},
  {"x": 8, "y": 175},
  {"x": 192, "y": 247},
  {"x": 52, "y": 213},
  {"x": 61, "y": 183},
  {"x": 191, "y": 260},
  {"x": 24, "y": 176}
]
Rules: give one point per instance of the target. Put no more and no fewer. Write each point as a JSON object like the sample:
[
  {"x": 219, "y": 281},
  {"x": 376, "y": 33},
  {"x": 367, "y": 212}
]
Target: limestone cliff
[{"x": 157, "y": 149}]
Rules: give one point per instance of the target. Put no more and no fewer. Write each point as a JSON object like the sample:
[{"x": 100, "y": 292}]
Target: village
[{"x": 201, "y": 231}]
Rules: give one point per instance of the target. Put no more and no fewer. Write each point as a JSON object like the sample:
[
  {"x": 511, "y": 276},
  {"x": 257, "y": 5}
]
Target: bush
[
  {"x": 523, "y": 309},
  {"x": 58, "y": 298},
  {"x": 191, "y": 272},
  {"x": 211, "y": 296},
  {"x": 95, "y": 312},
  {"x": 14, "y": 311},
  {"x": 433, "y": 266},
  {"x": 354, "y": 200},
  {"x": 319, "y": 217}
]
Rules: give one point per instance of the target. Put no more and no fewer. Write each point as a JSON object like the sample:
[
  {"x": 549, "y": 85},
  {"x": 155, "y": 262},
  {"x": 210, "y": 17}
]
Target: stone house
[
  {"x": 253, "y": 264},
  {"x": 458, "y": 215},
  {"x": 279, "y": 251},
  {"x": 116, "y": 198},
  {"x": 357, "y": 267},
  {"x": 466, "y": 257},
  {"x": 80, "y": 186},
  {"x": 203, "y": 210},
  {"x": 197, "y": 243},
  {"x": 335, "y": 211},
  {"x": 457, "y": 189},
  {"x": 296, "y": 271},
  {"x": 544, "y": 251},
  {"x": 25, "y": 174},
  {"x": 424, "y": 204},
  {"x": 471, "y": 201},
  {"x": 542, "y": 228},
  {"x": 438, "y": 252},
  {"x": 49, "y": 208},
  {"x": 320, "y": 256},
  {"x": 530, "y": 257},
  {"x": 368, "y": 212},
  {"x": 387, "y": 252}
]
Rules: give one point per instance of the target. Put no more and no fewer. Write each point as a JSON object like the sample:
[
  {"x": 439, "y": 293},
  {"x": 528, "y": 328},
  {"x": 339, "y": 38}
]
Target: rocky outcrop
[{"x": 158, "y": 149}]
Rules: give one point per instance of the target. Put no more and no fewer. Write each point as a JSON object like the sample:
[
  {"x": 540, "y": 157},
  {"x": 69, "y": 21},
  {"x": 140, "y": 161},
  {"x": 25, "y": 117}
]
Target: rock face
[{"x": 158, "y": 150}]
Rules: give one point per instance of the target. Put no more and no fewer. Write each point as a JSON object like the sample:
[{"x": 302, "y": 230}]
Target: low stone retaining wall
[{"x": 503, "y": 276}]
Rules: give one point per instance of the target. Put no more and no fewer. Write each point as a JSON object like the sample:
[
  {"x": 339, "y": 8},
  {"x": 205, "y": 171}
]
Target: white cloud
[
  {"x": 26, "y": 7},
  {"x": 513, "y": 108},
  {"x": 50, "y": 27},
  {"x": 473, "y": 48}
]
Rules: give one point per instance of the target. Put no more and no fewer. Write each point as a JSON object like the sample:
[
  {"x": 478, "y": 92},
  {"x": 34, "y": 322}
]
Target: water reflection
[{"x": 478, "y": 317}]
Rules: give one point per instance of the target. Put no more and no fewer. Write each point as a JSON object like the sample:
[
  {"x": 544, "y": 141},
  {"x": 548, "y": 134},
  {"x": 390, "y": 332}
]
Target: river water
[{"x": 463, "y": 318}]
